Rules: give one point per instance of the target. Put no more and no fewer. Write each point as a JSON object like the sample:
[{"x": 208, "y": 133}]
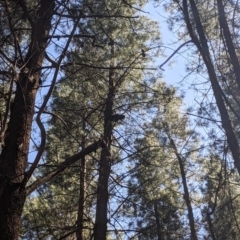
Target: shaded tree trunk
[
  {"x": 210, "y": 226},
  {"x": 100, "y": 227},
  {"x": 230, "y": 45},
  {"x": 80, "y": 232},
  {"x": 14, "y": 156},
  {"x": 157, "y": 218}
]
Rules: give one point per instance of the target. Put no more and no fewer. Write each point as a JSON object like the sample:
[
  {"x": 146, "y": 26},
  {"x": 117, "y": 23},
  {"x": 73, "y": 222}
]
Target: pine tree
[
  {"x": 79, "y": 112},
  {"x": 215, "y": 41},
  {"x": 29, "y": 29},
  {"x": 220, "y": 212},
  {"x": 159, "y": 167}
]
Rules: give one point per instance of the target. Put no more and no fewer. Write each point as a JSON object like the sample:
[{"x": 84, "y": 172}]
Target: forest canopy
[{"x": 97, "y": 141}]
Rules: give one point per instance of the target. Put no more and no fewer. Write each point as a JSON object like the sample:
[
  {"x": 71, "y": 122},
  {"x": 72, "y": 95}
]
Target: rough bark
[{"x": 14, "y": 156}]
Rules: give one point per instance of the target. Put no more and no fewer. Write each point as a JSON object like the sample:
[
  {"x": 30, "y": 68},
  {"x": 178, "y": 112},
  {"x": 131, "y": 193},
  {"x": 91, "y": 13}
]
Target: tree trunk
[
  {"x": 201, "y": 44},
  {"x": 14, "y": 156},
  {"x": 80, "y": 232},
  {"x": 185, "y": 187},
  {"x": 157, "y": 218},
  {"x": 210, "y": 226},
  {"x": 100, "y": 227},
  {"x": 229, "y": 42}
]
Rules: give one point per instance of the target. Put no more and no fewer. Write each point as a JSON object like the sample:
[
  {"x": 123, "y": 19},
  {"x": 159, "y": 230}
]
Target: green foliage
[
  {"x": 78, "y": 111},
  {"x": 221, "y": 194},
  {"x": 146, "y": 197}
]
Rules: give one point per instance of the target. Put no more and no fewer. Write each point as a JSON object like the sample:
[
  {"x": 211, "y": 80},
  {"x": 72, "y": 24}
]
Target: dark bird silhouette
[{"x": 117, "y": 117}]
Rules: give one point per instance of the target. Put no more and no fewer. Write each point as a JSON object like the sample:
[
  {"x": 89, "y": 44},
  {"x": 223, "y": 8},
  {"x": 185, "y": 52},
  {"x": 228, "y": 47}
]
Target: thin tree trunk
[
  {"x": 185, "y": 187},
  {"x": 100, "y": 227},
  {"x": 14, "y": 156},
  {"x": 80, "y": 232},
  {"x": 157, "y": 218},
  {"x": 210, "y": 226}
]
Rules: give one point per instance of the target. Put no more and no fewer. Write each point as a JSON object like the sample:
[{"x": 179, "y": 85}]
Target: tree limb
[{"x": 89, "y": 149}]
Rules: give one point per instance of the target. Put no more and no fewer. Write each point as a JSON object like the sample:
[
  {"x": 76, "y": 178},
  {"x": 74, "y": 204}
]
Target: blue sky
[{"x": 173, "y": 73}]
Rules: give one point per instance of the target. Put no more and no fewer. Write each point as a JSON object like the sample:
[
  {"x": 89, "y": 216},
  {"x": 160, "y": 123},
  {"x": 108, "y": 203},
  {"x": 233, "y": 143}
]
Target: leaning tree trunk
[
  {"x": 200, "y": 40},
  {"x": 14, "y": 156}
]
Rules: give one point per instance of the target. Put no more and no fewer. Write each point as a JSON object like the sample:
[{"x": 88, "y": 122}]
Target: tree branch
[
  {"x": 46, "y": 99},
  {"x": 91, "y": 148}
]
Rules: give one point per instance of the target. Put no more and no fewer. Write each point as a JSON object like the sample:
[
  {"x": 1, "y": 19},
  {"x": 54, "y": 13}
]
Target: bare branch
[
  {"x": 91, "y": 148},
  {"x": 190, "y": 41}
]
